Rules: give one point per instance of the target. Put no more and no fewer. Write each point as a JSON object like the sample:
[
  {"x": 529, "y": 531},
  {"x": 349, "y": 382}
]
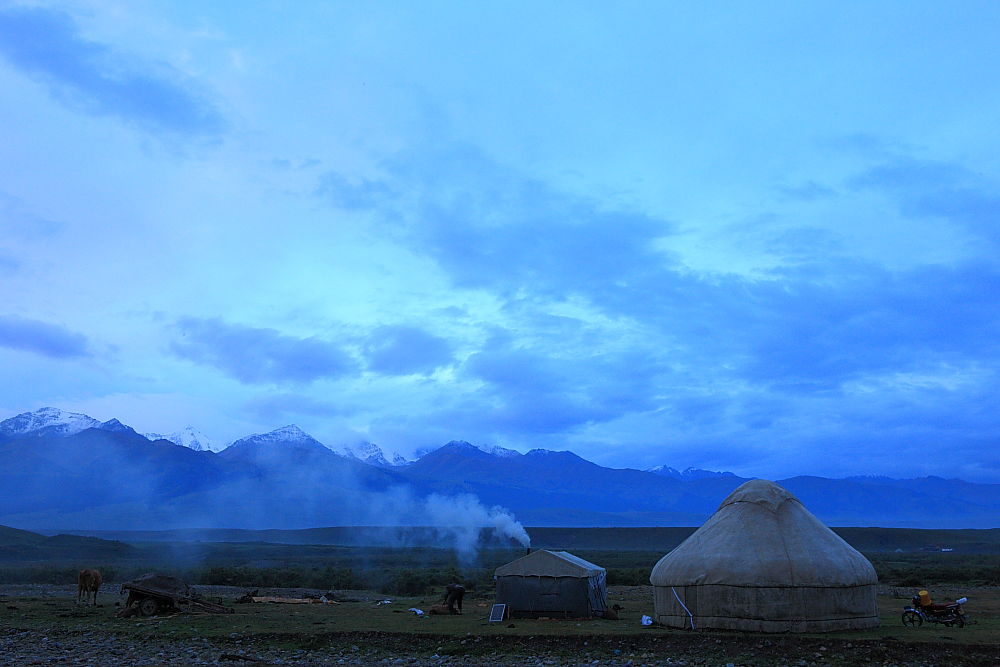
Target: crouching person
[{"x": 453, "y": 594}]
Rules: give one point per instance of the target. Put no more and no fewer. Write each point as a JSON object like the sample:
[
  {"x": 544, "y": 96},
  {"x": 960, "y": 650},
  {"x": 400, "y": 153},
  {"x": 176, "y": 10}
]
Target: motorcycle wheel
[
  {"x": 960, "y": 622},
  {"x": 911, "y": 619}
]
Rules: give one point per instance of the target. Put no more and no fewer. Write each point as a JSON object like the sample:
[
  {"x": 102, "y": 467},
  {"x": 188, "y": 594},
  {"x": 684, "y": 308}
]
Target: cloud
[
  {"x": 46, "y": 45},
  {"x": 491, "y": 227},
  {"x": 402, "y": 350},
  {"x": 811, "y": 325},
  {"x": 253, "y": 355},
  {"x": 49, "y": 340},
  {"x": 907, "y": 174},
  {"x": 807, "y": 191},
  {"x": 352, "y": 194},
  {"x": 704, "y": 361},
  {"x": 548, "y": 391},
  {"x": 808, "y": 337},
  {"x": 18, "y": 222},
  {"x": 938, "y": 189}
]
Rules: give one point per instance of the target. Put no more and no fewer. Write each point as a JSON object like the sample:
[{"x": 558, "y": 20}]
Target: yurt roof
[
  {"x": 544, "y": 563},
  {"x": 762, "y": 535}
]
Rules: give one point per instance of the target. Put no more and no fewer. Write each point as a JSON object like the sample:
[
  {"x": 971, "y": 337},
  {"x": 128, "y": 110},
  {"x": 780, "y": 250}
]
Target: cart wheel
[
  {"x": 149, "y": 606},
  {"x": 911, "y": 619}
]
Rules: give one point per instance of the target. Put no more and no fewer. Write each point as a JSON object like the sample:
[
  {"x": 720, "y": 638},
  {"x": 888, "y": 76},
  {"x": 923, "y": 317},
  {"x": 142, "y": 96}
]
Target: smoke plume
[{"x": 460, "y": 518}]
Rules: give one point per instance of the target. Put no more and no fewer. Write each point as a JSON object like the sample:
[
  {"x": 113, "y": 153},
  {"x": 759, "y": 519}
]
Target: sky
[{"x": 760, "y": 237}]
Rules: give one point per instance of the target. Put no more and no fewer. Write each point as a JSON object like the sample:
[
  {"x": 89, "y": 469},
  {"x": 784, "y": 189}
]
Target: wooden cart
[{"x": 154, "y": 594}]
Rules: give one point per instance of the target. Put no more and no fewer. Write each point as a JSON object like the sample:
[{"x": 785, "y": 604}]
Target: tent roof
[
  {"x": 543, "y": 563},
  {"x": 762, "y": 535}
]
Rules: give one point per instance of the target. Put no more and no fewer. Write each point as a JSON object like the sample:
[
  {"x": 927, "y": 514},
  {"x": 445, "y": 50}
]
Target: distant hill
[
  {"x": 654, "y": 539},
  {"x": 22, "y": 545}
]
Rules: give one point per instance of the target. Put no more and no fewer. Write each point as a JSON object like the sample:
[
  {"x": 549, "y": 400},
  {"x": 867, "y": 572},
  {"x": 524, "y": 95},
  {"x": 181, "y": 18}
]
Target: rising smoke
[{"x": 461, "y": 519}]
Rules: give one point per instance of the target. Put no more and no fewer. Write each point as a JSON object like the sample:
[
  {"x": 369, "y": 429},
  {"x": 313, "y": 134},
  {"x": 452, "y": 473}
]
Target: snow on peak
[
  {"x": 291, "y": 432},
  {"x": 469, "y": 449},
  {"x": 688, "y": 474},
  {"x": 47, "y": 421},
  {"x": 372, "y": 454},
  {"x": 462, "y": 445},
  {"x": 286, "y": 435},
  {"x": 369, "y": 452},
  {"x": 498, "y": 451},
  {"x": 189, "y": 437}
]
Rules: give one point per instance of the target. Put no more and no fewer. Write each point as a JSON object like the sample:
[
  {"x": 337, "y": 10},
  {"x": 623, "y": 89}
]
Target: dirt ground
[{"x": 42, "y": 624}]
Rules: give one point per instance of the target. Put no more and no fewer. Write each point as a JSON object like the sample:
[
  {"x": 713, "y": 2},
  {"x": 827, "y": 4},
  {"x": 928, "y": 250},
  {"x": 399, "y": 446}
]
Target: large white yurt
[{"x": 764, "y": 563}]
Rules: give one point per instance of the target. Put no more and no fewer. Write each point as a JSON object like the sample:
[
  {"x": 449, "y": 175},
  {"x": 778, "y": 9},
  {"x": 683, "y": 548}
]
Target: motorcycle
[{"x": 948, "y": 614}]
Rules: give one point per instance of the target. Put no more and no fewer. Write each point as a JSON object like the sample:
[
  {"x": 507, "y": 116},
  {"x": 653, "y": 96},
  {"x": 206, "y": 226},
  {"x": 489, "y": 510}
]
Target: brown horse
[{"x": 87, "y": 583}]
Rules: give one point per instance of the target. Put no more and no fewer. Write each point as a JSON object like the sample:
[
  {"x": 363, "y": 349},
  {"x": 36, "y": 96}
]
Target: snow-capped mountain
[
  {"x": 289, "y": 479},
  {"x": 53, "y": 421},
  {"x": 47, "y": 421},
  {"x": 492, "y": 450},
  {"x": 288, "y": 436},
  {"x": 687, "y": 474},
  {"x": 189, "y": 437},
  {"x": 372, "y": 454}
]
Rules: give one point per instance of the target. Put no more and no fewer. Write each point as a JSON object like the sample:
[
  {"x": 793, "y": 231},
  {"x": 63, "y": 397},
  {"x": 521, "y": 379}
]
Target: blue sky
[{"x": 758, "y": 237}]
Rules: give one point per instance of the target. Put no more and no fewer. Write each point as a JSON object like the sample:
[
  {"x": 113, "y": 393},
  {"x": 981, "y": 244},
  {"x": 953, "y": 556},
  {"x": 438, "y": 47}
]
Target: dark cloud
[
  {"x": 906, "y": 174},
  {"x": 817, "y": 336},
  {"x": 490, "y": 227},
  {"x": 403, "y": 350},
  {"x": 764, "y": 363},
  {"x": 18, "y": 222},
  {"x": 902, "y": 429},
  {"x": 46, "y": 44},
  {"x": 357, "y": 194},
  {"x": 551, "y": 391},
  {"x": 49, "y": 340},
  {"x": 550, "y": 248},
  {"x": 807, "y": 191},
  {"x": 253, "y": 355},
  {"x": 944, "y": 190},
  {"x": 517, "y": 371}
]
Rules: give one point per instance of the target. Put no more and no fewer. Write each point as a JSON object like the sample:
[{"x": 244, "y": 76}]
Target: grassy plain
[
  {"x": 363, "y": 620},
  {"x": 363, "y": 611},
  {"x": 36, "y": 594}
]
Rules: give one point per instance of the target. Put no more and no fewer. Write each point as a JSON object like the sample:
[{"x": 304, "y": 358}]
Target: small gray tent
[
  {"x": 763, "y": 562},
  {"x": 552, "y": 583}
]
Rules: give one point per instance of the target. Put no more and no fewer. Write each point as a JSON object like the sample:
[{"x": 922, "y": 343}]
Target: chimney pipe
[{"x": 528, "y": 551}]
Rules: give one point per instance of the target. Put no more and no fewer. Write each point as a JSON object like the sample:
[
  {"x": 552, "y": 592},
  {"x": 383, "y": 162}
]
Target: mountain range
[{"x": 66, "y": 471}]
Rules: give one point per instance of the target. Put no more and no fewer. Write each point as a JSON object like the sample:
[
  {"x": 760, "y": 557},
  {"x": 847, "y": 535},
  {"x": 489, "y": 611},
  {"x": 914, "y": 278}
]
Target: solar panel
[{"x": 498, "y": 613}]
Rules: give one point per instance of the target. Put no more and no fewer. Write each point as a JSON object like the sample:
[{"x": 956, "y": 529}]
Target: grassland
[
  {"x": 414, "y": 577},
  {"x": 413, "y": 570},
  {"x": 362, "y": 619}
]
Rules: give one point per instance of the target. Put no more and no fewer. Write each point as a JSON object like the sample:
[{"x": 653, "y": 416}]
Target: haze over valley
[{"x": 68, "y": 471}]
